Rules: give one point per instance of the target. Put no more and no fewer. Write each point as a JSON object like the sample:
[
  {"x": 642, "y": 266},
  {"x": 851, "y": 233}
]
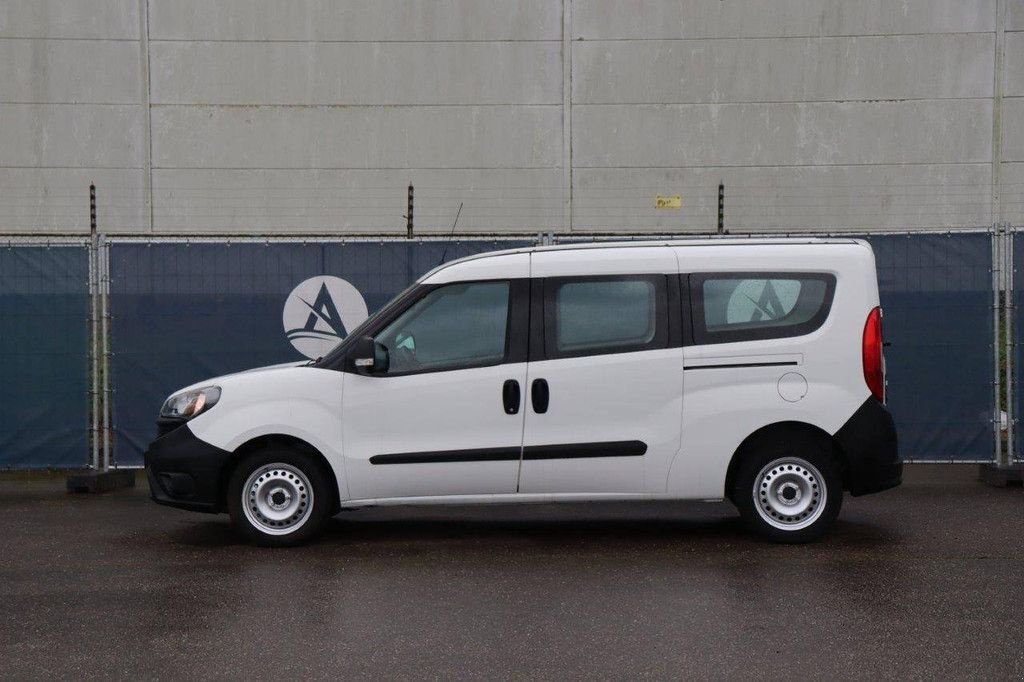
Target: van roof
[
  {"x": 689, "y": 242},
  {"x": 695, "y": 242}
]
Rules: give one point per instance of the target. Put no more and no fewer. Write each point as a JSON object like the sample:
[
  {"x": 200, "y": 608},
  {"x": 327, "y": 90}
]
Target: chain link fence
[{"x": 132, "y": 319}]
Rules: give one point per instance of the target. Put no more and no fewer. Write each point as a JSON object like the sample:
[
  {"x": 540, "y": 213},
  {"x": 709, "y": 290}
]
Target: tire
[
  {"x": 279, "y": 498},
  {"x": 788, "y": 488}
]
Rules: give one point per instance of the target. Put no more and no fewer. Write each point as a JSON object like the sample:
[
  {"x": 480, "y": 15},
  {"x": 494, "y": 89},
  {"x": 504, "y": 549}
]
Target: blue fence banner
[
  {"x": 936, "y": 293},
  {"x": 44, "y": 356},
  {"x": 184, "y": 312}
]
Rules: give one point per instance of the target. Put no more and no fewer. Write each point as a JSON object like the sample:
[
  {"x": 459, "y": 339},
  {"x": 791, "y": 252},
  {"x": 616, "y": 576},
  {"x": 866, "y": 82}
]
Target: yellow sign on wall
[{"x": 675, "y": 202}]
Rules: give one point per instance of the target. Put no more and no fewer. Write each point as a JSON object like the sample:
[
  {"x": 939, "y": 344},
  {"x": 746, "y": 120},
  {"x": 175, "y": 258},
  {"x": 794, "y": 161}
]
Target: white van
[{"x": 686, "y": 370}]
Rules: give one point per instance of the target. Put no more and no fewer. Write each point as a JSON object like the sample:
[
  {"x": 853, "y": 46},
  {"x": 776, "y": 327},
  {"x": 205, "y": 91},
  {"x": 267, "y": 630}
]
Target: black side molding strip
[
  {"x": 618, "y": 448},
  {"x": 623, "y": 448},
  {"x": 744, "y": 364},
  {"x": 480, "y": 455}
]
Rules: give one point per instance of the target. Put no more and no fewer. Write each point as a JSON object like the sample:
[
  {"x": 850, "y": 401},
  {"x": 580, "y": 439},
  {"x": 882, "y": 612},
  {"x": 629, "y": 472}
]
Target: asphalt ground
[{"x": 922, "y": 582}]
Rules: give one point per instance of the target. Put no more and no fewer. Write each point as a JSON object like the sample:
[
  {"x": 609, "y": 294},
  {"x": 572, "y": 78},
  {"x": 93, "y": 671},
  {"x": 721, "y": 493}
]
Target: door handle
[
  {"x": 540, "y": 396},
  {"x": 510, "y": 396}
]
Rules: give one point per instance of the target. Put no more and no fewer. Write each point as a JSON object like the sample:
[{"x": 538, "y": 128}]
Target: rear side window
[
  {"x": 750, "y": 306},
  {"x": 597, "y": 315}
]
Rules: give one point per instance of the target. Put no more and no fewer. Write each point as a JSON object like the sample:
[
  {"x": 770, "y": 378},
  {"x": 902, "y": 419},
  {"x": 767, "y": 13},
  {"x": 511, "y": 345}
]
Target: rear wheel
[
  {"x": 279, "y": 498},
  {"x": 789, "y": 490}
]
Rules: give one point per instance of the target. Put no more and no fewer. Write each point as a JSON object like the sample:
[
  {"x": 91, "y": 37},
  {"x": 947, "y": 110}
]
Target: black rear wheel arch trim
[{"x": 775, "y": 430}]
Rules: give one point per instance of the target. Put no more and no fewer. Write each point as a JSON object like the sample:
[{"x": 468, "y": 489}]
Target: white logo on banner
[
  {"x": 756, "y": 300},
  {"x": 320, "y": 312}
]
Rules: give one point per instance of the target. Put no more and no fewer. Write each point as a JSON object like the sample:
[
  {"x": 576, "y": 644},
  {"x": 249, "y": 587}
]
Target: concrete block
[
  {"x": 1001, "y": 477},
  {"x": 356, "y": 73},
  {"x": 91, "y": 19},
  {"x": 68, "y": 71},
  {"x": 354, "y": 201},
  {"x": 82, "y": 136},
  {"x": 356, "y": 20},
  {"x": 784, "y": 69},
  {"x": 56, "y": 200},
  {"x": 357, "y": 137},
  {"x": 781, "y": 199},
  {"x": 100, "y": 481},
  {"x": 645, "y": 19},
  {"x": 941, "y": 131}
]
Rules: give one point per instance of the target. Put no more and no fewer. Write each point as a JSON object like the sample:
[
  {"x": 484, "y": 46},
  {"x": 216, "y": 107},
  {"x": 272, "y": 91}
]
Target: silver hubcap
[
  {"x": 277, "y": 498},
  {"x": 790, "y": 493}
]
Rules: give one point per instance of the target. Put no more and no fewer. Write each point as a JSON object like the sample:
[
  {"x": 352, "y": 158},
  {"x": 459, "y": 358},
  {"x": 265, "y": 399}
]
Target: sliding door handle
[
  {"x": 540, "y": 396},
  {"x": 510, "y": 396}
]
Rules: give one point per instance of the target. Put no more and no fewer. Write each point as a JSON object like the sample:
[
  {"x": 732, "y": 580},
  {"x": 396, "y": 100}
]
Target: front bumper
[
  {"x": 868, "y": 440},
  {"x": 185, "y": 472}
]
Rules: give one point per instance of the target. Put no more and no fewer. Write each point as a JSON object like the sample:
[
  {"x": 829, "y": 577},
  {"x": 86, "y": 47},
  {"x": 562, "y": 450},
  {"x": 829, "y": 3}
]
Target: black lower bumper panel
[
  {"x": 868, "y": 440},
  {"x": 185, "y": 472}
]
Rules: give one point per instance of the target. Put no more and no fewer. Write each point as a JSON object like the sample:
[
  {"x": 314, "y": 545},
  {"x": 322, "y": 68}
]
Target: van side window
[
  {"x": 598, "y": 315},
  {"x": 751, "y": 306},
  {"x": 455, "y": 326}
]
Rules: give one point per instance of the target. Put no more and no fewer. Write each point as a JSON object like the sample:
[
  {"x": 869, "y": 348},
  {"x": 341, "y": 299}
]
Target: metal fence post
[
  {"x": 104, "y": 258},
  {"x": 1009, "y": 342},
  {"x": 94, "y": 361},
  {"x": 996, "y": 302}
]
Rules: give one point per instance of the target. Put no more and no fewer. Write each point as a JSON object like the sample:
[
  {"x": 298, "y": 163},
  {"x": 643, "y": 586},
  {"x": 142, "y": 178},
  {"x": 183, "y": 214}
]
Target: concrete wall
[{"x": 312, "y": 116}]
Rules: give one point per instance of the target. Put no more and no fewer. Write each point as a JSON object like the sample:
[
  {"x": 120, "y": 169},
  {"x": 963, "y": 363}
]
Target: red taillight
[{"x": 874, "y": 363}]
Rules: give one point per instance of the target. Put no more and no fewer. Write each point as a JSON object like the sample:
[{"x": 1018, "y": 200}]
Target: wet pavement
[{"x": 920, "y": 582}]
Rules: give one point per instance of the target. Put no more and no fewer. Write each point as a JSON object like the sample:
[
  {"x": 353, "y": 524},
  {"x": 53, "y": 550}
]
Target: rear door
[{"x": 604, "y": 398}]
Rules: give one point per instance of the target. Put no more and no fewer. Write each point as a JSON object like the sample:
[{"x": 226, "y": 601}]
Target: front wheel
[
  {"x": 790, "y": 491},
  {"x": 278, "y": 498}
]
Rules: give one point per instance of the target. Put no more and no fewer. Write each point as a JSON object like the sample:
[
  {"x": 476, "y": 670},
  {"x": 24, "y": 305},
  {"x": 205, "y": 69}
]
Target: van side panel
[{"x": 731, "y": 390}]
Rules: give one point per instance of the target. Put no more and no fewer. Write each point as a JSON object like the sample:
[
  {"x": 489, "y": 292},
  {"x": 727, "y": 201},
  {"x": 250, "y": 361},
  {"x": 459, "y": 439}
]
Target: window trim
[
  {"x": 544, "y": 341},
  {"x": 701, "y": 335}
]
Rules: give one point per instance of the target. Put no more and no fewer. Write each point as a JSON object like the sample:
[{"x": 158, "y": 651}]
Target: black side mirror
[{"x": 369, "y": 357}]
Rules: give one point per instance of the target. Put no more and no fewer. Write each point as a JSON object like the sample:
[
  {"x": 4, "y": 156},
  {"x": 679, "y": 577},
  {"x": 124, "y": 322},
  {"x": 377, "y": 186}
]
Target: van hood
[{"x": 215, "y": 381}]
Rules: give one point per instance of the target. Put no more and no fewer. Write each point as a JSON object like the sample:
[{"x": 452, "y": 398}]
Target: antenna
[{"x": 454, "y": 223}]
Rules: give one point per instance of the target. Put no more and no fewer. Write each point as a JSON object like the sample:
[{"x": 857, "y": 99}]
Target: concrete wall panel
[
  {"x": 946, "y": 131},
  {"x": 360, "y": 20},
  {"x": 1012, "y": 190},
  {"x": 1014, "y": 16},
  {"x": 82, "y": 136},
  {"x": 93, "y": 19},
  {"x": 354, "y": 201},
  {"x": 356, "y": 73},
  {"x": 784, "y": 70},
  {"x": 646, "y": 19},
  {"x": 1013, "y": 65},
  {"x": 356, "y": 137},
  {"x": 88, "y": 71},
  {"x": 56, "y": 200},
  {"x": 1013, "y": 129},
  {"x": 784, "y": 199},
  {"x": 313, "y": 115}
]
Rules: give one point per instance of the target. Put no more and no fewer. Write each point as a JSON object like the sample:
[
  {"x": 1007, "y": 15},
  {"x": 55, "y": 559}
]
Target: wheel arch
[
  {"x": 776, "y": 430},
  {"x": 275, "y": 440}
]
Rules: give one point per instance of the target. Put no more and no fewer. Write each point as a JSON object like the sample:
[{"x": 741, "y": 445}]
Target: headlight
[{"x": 190, "y": 403}]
